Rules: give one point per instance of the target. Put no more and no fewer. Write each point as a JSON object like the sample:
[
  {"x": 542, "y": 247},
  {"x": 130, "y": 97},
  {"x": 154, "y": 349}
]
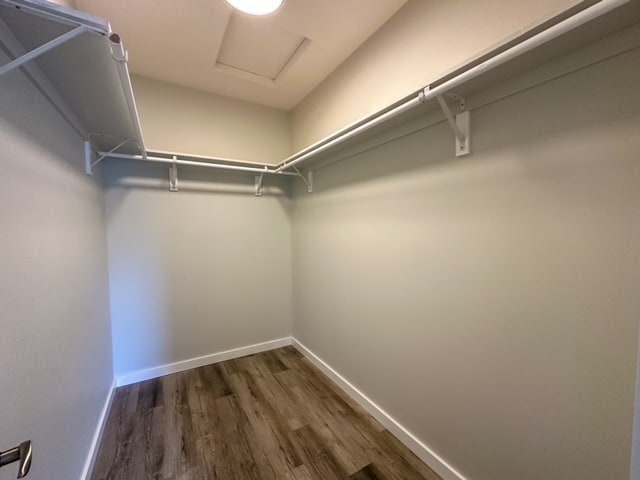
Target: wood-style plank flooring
[{"x": 267, "y": 416}]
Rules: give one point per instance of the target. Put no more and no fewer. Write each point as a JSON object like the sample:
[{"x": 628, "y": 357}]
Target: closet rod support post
[
  {"x": 88, "y": 158},
  {"x": 259, "y": 179},
  {"x": 173, "y": 176},
  {"x": 458, "y": 98},
  {"x": 460, "y": 124},
  {"x": 103, "y": 155},
  {"x": 310, "y": 181},
  {"x": 463, "y": 122}
]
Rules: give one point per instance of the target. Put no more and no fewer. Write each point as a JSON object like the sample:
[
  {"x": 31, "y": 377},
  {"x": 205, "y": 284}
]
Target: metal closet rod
[
  {"x": 196, "y": 157},
  {"x": 364, "y": 124},
  {"x": 220, "y": 166}
]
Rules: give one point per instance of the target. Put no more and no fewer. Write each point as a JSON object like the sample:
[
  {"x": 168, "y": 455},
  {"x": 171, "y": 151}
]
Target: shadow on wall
[
  {"x": 134, "y": 286},
  {"x": 127, "y": 175},
  {"x": 18, "y": 120},
  {"x": 155, "y": 176}
]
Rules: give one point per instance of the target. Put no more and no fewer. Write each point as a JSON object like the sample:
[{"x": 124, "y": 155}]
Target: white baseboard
[
  {"x": 155, "y": 372},
  {"x": 427, "y": 455},
  {"x": 97, "y": 435}
]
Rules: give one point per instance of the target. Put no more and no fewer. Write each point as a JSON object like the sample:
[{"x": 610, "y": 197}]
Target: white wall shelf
[{"x": 80, "y": 66}]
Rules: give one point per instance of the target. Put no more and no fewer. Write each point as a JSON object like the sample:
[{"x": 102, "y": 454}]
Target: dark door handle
[{"x": 22, "y": 454}]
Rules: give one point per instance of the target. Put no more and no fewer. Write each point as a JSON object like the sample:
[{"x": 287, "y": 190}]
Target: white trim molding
[
  {"x": 155, "y": 372},
  {"x": 426, "y": 454},
  {"x": 97, "y": 435}
]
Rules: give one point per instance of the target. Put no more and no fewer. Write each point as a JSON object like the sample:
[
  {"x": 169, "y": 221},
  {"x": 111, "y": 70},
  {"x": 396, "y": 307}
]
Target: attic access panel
[{"x": 258, "y": 49}]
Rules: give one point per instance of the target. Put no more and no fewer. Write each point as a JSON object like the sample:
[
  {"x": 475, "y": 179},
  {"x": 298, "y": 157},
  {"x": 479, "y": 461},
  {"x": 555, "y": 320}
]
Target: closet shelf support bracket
[
  {"x": 308, "y": 180},
  {"x": 259, "y": 179},
  {"x": 89, "y": 154},
  {"x": 462, "y": 102},
  {"x": 173, "y": 176},
  {"x": 460, "y": 123},
  {"x": 88, "y": 158},
  {"x": 36, "y": 52}
]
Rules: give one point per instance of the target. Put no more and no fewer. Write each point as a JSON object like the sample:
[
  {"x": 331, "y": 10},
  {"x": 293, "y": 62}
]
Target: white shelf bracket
[
  {"x": 460, "y": 123},
  {"x": 15, "y": 49},
  {"x": 88, "y": 158},
  {"x": 308, "y": 180},
  {"x": 36, "y": 52},
  {"x": 463, "y": 121},
  {"x": 462, "y": 102},
  {"x": 259, "y": 179},
  {"x": 173, "y": 176},
  {"x": 101, "y": 156}
]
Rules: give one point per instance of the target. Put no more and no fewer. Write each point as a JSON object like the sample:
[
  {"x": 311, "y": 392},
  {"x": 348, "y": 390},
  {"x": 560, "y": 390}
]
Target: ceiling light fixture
[{"x": 256, "y": 7}]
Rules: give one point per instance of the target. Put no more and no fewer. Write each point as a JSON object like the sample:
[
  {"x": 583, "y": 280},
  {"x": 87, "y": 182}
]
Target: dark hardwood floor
[{"x": 267, "y": 416}]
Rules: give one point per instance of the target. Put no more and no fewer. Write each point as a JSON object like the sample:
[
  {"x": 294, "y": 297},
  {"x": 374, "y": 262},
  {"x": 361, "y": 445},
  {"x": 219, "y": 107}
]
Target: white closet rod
[
  {"x": 194, "y": 156},
  {"x": 356, "y": 131},
  {"x": 264, "y": 169},
  {"x": 575, "y": 21}
]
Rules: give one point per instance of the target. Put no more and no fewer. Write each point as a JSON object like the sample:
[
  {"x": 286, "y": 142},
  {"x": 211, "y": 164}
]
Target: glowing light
[{"x": 256, "y": 7}]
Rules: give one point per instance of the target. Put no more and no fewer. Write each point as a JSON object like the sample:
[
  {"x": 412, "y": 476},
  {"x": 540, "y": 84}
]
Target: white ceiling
[{"x": 275, "y": 60}]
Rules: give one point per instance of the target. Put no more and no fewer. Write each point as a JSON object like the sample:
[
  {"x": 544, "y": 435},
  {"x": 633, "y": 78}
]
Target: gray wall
[
  {"x": 490, "y": 304},
  {"x": 416, "y": 46},
  {"x": 195, "y": 272},
  {"x": 55, "y": 346}
]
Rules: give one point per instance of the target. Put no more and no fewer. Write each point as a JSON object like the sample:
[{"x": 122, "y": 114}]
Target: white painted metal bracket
[
  {"x": 173, "y": 177},
  {"x": 259, "y": 179},
  {"x": 88, "y": 158},
  {"x": 14, "y": 48},
  {"x": 462, "y": 102},
  {"x": 90, "y": 162},
  {"x": 463, "y": 121},
  {"x": 36, "y": 52},
  {"x": 308, "y": 180},
  {"x": 460, "y": 123}
]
